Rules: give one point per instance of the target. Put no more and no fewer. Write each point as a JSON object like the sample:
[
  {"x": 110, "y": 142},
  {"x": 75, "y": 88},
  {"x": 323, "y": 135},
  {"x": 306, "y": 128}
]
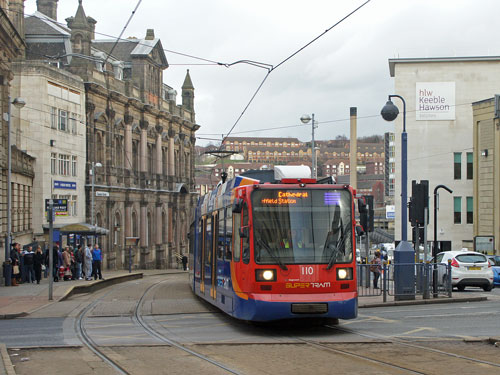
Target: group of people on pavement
[{"x": 69, "y": 264}]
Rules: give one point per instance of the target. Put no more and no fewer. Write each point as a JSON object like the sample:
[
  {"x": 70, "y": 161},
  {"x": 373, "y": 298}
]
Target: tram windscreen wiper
[
  {"x": 270, "y": 252},
  {"x": 336, "y": 248}
]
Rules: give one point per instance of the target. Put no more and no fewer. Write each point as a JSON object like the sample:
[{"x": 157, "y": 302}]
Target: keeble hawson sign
[{"x": 435, "y": 101}]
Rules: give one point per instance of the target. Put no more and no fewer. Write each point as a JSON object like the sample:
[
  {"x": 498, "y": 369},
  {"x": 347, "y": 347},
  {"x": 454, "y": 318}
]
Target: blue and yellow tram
[{"x": 276, "y": 247}]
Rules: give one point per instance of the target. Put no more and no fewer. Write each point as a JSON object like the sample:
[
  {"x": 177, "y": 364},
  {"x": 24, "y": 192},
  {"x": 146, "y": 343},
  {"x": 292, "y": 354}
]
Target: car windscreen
[{"x": 471, "y": 258}]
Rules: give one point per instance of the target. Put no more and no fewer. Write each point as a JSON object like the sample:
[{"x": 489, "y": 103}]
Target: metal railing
[{"x": 405, "y": 281}]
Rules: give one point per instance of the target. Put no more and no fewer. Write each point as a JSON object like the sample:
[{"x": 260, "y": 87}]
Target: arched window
[
  {"x": 117, "y": 229},
  {"x": 99, "y": 149},
  {"x": 135, "y": 156},
  {"x": 150, "y": 161},
  {"x": 119, "y": 152},
  {"x": 164, "y": 227},
  {"x": 135, "y": 225},
  {"x": 148, "y": 229},
  {"x": 164, "y": 155}
]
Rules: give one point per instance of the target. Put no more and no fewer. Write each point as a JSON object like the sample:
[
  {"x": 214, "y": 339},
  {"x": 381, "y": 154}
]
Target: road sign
[
  {"x": 60, "y": 206},
  {"x": 390, "y": 212},
  {"x": 101, "y": 194}
]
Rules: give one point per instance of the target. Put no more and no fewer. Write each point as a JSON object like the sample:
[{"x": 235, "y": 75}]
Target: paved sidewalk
[{"x": 19, "y": 301}]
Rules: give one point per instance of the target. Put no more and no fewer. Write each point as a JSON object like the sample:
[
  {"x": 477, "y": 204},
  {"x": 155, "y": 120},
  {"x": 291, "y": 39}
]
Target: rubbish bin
[
  {"x": 404, "y": 272},
  {"x": 7, "y": 272}
]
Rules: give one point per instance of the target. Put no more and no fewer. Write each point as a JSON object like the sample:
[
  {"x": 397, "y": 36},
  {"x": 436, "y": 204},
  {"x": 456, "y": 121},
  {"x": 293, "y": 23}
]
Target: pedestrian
[
  {"x": 67, "y": 263},
  {"x": 29, "y": 258},
  {"x": 79, "y": 261},
  {"x": 46, "y": 262},
  {"x": 38, "y": 261},
  {"x": 184, "y": 262},
  {"x": 88, "y": 263},
  {"x": 96, "y": 262},
  {"x": 15, "y": 261},
  {"x": 376, "y": 268},
  {"x": 57, "y": 262}
]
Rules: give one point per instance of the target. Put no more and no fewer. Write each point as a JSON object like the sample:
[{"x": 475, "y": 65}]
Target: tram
[{"x": 276, "y": 244}]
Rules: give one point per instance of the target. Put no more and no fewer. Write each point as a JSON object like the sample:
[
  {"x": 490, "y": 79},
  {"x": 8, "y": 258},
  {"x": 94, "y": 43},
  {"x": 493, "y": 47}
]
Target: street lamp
[
  {"x": 18, "y": 103},
  {"x": 92, "y": 172},
  {"x": 389, "y": 113},
  {"x": 305, "y": 120}
]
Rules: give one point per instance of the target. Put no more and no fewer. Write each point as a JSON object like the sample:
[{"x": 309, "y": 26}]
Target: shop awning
[{"x": 84, "y": 229}]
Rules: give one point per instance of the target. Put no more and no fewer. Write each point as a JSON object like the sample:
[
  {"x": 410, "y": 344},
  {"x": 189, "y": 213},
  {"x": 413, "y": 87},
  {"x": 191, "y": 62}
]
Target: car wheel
[
  {"x": 488, "y": 288},
  {"x": 461, "y": 288}
]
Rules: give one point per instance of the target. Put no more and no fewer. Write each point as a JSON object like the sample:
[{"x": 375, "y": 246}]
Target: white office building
[{"x": 439, "y": 93}]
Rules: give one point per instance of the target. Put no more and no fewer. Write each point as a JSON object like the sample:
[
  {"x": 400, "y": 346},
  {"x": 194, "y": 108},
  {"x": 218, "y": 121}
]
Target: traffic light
[
  {"x": 371, "y": 212},
  {"x": 419, "y": 201},
  {"x": 363, "y": 214}
]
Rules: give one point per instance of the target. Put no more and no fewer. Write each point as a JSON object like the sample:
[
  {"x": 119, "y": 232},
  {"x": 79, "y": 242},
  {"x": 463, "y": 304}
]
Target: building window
[
  {"x": 64, "y": 165},
  {"x": 470, "y": 211},
  {"x": 53, "y": 117},
  {"x": 470, "y": 168},
  {"x": 73, "y": 122},
  {"x": 73, "y": 166},
  {"x": 457, "y": 210},
  {"x": 72, "y": 205},
  {"x": 53, "y": 163},
  {"x": 457, "y": 165},
  {"x": 63, "y": 120}
]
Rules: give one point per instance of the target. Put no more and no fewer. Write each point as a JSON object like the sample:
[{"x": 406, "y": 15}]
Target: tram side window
[
  {"x": 229, "y": 232},
  {"x": 208, "y": 241},
  {"x": 245, "y": 243},
  {"x": 221, "y": 236},
  {"x": 236, "y": 237}
]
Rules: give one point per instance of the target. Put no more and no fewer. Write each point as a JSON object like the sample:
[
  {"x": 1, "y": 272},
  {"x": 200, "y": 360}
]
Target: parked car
[
  {"x": 468, "y": 268},
  {"x": 495, "y": 266}
]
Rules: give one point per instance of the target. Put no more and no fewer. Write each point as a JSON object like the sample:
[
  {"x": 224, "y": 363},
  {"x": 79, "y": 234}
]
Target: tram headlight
[
  {"x": 344, "y": 273},
  {"x": 265, "y": 275}
]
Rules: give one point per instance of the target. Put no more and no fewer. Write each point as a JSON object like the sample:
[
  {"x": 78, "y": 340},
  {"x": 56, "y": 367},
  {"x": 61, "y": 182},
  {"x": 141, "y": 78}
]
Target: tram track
[
  {"x": 137, "y": 317},
  {"x": 396, "y": 341}
]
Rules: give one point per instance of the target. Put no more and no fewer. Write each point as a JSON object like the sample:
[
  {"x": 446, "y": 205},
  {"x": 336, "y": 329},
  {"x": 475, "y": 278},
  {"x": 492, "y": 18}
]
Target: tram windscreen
[{"x": 302, "y": 226}]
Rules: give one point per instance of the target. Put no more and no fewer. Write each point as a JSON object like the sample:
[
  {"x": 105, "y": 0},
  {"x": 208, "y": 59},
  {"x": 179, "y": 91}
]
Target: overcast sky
[{"x": 346, "y": 67}]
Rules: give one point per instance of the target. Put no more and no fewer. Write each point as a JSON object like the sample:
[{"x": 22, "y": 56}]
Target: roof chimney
[
  {"x": 150, "y": 34},
  {"x": 47, "y": 7}
]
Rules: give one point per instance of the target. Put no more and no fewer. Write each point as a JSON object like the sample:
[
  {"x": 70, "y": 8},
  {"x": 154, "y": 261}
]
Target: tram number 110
[{"x": 306, "y": 270}]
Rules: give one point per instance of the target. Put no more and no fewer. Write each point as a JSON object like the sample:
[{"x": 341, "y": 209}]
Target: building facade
[
  {"x": 486, "y": 167},
  {"x": 439, "y": 93},
  {"x": 139, "y": 141},
  {"x": 54, "y": 133},
  {"x": 12, "y": 48}
]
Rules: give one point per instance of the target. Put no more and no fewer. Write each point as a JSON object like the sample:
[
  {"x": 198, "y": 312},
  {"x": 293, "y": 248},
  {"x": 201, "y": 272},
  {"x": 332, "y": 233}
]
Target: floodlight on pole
[{"x": 305, "y": 120}]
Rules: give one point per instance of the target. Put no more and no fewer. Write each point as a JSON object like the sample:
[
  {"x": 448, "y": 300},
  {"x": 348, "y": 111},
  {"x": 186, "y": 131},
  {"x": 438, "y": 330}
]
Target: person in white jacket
[{"x": 87, "y": 265}]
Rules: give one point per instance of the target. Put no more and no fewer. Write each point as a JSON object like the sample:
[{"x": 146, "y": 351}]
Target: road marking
[
  {"x": 473, "y": 314},
  {"x": 417, "y": 330}
]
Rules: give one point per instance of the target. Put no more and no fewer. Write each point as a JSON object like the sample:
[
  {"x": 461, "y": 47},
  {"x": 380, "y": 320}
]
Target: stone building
[
  {"x": 486, "y": 169},
  {"x": 139, "y": 141},
  {"x": 12, "y": 48}
]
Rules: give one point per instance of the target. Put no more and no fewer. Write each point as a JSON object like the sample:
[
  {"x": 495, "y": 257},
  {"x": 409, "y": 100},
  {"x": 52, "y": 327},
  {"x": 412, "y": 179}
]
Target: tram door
[
  {"x": 213, "y": 260},
  {"x": 207, "y": 255}
]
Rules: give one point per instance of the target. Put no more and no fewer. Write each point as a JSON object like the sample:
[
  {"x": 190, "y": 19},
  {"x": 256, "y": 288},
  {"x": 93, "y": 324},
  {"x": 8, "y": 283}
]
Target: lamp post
[
  {"x": 18, "y": 103},
  {"x": 305, "y": 120},
  {"x": 389, "y": 113},
  {"x": 92, "y": 172},
  {"x": 435, "y": 245}
]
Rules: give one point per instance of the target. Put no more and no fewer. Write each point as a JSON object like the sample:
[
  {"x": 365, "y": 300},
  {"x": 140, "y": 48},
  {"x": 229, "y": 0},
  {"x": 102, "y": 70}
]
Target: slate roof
[
  {"x": 126, "y": 49},
  {"x": 41, "y": 25}
]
